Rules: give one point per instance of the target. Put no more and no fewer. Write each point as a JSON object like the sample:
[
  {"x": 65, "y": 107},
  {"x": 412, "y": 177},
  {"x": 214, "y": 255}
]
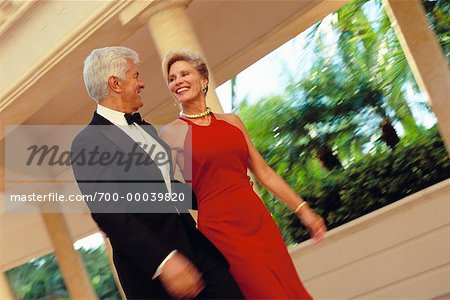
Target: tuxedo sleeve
[{"x": 128, "y": 233}]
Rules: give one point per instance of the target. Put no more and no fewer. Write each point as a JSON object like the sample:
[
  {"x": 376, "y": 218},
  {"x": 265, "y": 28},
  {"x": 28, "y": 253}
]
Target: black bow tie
[{"x": 134, "y": 118}]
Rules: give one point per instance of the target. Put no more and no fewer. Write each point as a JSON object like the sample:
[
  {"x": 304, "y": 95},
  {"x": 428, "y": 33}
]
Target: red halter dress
[{"x": 232, "y": 215}]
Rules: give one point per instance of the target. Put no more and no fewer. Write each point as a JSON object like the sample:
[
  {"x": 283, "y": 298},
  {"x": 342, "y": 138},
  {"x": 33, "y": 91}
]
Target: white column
[
  {"x": 5, "y": 289},
  {"x": 425, "y": 57},
  {"x": 171, "y": 28},
  {"x": 69, "y": 261}
]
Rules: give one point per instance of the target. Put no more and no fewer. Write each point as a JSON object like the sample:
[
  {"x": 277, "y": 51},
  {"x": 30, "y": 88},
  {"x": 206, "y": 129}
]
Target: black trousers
[{"x": 219, "y": 284}]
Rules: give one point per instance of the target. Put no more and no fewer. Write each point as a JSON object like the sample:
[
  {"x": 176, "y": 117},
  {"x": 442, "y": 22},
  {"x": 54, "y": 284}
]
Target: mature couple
[{"x": 237, "y": 251}]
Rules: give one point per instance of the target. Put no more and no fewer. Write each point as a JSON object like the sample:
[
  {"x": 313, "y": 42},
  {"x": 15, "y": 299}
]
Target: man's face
[{"x": 131, "y": 89}]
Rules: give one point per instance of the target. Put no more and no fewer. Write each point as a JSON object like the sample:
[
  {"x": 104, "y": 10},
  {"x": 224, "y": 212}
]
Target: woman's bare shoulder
[
  {"x": 173, "y": 131},
  {"x": 174, "y": 125},
  {"x": 231, "y": 118}
]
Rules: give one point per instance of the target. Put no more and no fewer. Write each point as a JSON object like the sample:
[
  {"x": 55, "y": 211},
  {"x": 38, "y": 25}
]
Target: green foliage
[
  {"x": 38, "y": 279},
  {"x": 341, "y": 107},
  {"x": 387, "y": 176},
  {"x": 99, "y": 270},
  {"x": 438, "y": 13},
  {"x": 375, "y": 180},
  {"x": 42, "y": 279}
]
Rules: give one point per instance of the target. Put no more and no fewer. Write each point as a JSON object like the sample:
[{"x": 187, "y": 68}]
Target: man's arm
[
  {"x": 132, "y": 232},
  {"x": 125, "y": 230}
]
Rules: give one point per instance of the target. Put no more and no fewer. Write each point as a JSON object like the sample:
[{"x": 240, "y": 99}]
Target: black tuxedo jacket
[{"x": 140, "y": 241}]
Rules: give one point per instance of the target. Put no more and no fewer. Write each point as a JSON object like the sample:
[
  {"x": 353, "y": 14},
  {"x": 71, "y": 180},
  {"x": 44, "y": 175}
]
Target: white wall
[{"x": 401, "y": 251}]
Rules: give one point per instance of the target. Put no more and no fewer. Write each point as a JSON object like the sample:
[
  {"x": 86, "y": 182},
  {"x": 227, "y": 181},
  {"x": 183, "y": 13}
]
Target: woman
[{"x": 214, "y": 153}]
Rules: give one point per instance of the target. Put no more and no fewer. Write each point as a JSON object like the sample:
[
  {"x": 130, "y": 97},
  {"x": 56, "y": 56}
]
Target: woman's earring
[{"x": 205, "y": 89}]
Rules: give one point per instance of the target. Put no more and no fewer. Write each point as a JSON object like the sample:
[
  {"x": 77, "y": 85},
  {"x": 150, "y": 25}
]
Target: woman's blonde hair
[{"x": 194, "y": 59}]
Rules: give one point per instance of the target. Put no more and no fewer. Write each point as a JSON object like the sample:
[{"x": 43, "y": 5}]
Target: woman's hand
[{"x": 313, "y": 222}]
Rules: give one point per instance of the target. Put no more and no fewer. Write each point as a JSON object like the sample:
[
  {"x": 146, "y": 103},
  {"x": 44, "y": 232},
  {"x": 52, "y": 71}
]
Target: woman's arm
[
  {"x": 174, "y": 135},
  {"x": 278, "y": 186}
]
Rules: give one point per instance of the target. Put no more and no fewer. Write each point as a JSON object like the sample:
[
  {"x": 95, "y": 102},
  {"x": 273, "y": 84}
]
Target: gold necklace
[{"x": 196, "y": 116}]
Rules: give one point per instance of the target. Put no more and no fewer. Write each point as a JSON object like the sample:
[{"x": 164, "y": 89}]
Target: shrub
[{"x": 372, "y": 182}]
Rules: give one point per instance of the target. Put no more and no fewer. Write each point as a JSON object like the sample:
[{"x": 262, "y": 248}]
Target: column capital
[
  {"x": 144, "y": 10},
  {"x": 166, "y": 4},
  {"x": 171, "y": 28}
]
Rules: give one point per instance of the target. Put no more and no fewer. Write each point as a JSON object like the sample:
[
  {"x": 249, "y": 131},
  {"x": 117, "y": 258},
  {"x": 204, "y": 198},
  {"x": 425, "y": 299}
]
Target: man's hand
[{"x": 180, "y": 278}]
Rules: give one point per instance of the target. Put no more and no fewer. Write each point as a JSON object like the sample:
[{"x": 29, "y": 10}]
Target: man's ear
[{"x": 114, "y": 84}]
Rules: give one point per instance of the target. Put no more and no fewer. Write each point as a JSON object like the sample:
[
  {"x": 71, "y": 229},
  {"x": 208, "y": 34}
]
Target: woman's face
[{"x": 185, "y": 82}]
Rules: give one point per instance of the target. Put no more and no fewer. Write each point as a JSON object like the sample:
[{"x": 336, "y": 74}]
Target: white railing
[{"x": 401, "y": 251}]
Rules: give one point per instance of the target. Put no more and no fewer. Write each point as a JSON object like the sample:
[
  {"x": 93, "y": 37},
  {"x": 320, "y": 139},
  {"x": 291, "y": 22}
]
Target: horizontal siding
[{"x": 401, "y": 251}]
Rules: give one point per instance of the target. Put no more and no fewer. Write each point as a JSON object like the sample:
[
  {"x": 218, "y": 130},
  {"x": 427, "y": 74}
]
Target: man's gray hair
[{"x": 103, "y": 63}]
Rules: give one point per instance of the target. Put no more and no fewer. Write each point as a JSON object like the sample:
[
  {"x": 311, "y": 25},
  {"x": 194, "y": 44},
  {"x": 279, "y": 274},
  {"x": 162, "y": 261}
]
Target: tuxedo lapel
[
  {"x": 121, "y": 140},
  {"x": 153, "y": 133}
]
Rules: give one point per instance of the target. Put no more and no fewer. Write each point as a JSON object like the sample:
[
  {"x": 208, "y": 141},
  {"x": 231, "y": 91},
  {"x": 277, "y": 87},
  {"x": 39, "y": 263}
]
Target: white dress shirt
[{"x": 140, "y": 136}]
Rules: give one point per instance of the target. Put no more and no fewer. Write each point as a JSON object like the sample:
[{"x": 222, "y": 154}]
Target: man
[{"x": 157, "y": 254}]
